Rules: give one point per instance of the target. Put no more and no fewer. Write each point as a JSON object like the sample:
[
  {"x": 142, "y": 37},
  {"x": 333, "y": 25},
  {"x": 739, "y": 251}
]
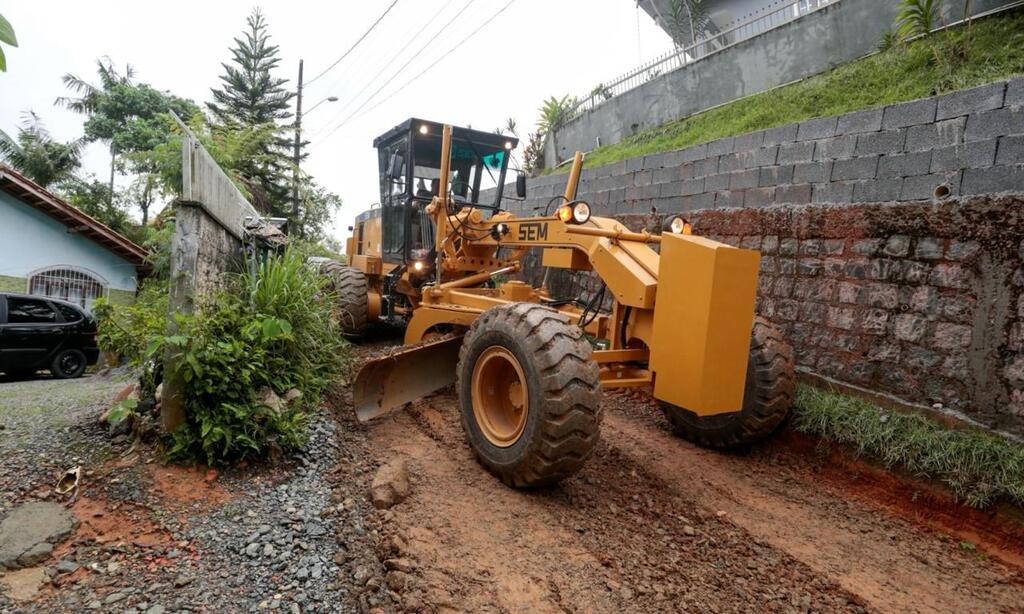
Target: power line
[
  {"x": 387, "y": 65},
  {"x": 356, "y": 44},
  {"x": 420, "y": 74},
  {"x": 403, "y": 67}
]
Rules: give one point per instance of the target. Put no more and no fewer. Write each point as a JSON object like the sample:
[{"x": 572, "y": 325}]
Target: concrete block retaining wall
[
  {"x": 842, "y": 31},
  {"x": 874, "y": 281}
]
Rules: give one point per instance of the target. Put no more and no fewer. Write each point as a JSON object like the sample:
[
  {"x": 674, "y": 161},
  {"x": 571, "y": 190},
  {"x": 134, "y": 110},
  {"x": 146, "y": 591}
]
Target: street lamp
[{"x": 328, "y": 99}]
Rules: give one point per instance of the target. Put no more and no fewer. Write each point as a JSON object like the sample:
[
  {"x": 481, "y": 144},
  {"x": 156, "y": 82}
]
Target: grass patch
[
  {"x": 903, "y": 73},
  {"x": 978, "y": 467}
]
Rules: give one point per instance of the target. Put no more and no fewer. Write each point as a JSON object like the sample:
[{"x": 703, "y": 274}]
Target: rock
[
  {"x": 689, "y": 531},
  {"x": 390, "y": 485},
  {"x": 361, "y": 574},
  {"x": 252, "y": 550},
  {"x": 399, "y": 581},
  {"x": 293, "y": 394},
  {"x": 270, "y": 399},
  {"x": 403, "y": 565},
  {"x": 24, "y": 584},
  {"x": 269, "y": 550},
  {"x": 95, "y": 604},
  {"x": 114, "y": 598},
  {"x": 36, "y": 554},
  {"x": 157, "y": 609},
  {"x": 28, "y": 526},
  {"x": 181, "y": 581},
  {"x": 67, "y": 566}
]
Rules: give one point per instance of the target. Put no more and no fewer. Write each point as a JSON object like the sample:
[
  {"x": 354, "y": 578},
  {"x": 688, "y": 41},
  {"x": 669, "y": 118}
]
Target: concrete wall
[
  {"x": 843, "y": 31},
  {"x": 32, "y": 240},
  {"x": 207, "y": 243},
  {"x": 874, "y": 282}
]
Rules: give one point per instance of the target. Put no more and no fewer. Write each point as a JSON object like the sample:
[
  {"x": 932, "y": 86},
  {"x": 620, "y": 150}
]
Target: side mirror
[
  {"x": 521, "y": 185},
  {"x": 395, "y": 165}
]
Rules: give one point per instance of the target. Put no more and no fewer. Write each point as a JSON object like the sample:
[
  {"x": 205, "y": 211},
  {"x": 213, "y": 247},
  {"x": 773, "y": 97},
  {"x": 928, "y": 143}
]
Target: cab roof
[{"x": 484, "y": 139}]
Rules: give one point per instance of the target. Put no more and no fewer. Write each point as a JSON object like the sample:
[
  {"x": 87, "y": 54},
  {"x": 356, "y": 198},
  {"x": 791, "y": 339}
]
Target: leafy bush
[
  {"x": 978, "y": 467},
  {"x": 267, "y": 331},
  {"x": 127, "y": 329}
]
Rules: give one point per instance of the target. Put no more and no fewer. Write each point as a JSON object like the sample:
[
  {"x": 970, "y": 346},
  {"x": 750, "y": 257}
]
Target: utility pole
[{"x": 295, "y": 159}]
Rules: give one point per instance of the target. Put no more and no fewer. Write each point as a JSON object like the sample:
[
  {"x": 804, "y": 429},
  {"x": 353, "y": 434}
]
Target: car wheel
[{"x": 68, "y": 364}]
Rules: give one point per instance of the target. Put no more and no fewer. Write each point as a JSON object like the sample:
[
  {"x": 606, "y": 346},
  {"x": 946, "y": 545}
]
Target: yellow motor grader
[{"x": 529, "y": 367}]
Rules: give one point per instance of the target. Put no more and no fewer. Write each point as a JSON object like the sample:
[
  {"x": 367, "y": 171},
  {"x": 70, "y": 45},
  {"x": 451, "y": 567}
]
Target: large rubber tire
[
  {"x": 68, "y": 364},
  {"x": 352, "y": 298},
  {"x": 563, "y": 394},
  {"x": 766, "y": 398}
]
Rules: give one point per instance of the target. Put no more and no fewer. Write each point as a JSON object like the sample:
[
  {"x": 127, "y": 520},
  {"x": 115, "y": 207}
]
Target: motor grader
[{"x": 528, "y": 366}]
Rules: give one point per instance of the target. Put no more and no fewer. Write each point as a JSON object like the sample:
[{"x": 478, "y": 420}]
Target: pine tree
[{"x": 252, "y": 96}]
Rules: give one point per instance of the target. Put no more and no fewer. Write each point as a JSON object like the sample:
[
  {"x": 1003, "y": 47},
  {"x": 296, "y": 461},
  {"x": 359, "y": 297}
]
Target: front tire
[
  {"x": 768, "y": 393},
  {"x": 529, "y": 393},
  {"x": 352, "y": 296},
  {"x": 68, "y": 364}
]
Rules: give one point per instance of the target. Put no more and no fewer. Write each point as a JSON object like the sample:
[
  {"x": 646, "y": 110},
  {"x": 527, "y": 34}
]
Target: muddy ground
[
  {"x": 656, "y": 524},
  {"x": 651, "y": 524}
]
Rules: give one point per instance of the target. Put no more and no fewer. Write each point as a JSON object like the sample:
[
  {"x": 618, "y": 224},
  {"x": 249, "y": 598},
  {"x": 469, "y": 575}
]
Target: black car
[{"x": 41, "y": 333}]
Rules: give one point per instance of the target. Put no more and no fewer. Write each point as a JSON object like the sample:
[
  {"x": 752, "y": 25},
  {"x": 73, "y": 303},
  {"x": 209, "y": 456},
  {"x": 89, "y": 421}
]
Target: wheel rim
[
  {"x": 69, "y": 363},
  {"x": 500, "y": 399}
]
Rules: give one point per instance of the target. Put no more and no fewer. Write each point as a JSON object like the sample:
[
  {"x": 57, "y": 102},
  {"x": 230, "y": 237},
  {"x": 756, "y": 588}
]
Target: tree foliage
[
  {"x": 251, "y": 96},
  {"x": 917, "y": 18},
  {"x": 37, "y": 155},
  {"x": 93, "y": 197},
  {"x": 7, "y": 37}
]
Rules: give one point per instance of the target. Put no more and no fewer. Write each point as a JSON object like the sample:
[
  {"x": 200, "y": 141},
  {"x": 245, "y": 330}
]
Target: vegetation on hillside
[
  {"x": 980, "y": 468},
  {"x": 903, "y": 72}
]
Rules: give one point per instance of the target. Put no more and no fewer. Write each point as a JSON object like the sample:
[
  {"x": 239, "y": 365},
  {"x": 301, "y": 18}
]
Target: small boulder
[
  {"x": 270, "y": 399},
  {"x": 293, "y": 394},
  {"x": 390, "y": 485}
]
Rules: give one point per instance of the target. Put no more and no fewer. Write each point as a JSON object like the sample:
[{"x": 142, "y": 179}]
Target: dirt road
[{"x": 655, "y": 524}]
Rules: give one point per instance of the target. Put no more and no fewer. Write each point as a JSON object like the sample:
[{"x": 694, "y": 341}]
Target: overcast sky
[{"x": 532, "y": 50}]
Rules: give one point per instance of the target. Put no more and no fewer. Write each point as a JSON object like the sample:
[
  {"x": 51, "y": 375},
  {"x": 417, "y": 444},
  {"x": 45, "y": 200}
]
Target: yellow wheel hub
[{"x": 500, "y": 399}]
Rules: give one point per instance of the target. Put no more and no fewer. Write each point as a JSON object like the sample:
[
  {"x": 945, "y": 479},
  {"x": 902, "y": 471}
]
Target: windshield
[{"x": 474, "y": 168}]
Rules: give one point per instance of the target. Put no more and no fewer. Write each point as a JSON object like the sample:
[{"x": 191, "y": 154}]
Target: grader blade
[{"x": 391, "y": 381}]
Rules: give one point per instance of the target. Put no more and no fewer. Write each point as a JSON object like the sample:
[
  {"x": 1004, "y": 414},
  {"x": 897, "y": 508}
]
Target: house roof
[{"x": 38, "y": 197}]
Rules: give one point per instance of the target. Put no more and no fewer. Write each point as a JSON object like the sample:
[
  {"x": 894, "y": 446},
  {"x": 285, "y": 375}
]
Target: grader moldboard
[{"x": 528, "y": 366}]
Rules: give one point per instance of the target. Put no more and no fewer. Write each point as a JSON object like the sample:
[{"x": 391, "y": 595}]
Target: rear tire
[
  {"x": 544, "y": 422},
  {"x": 766, "y": 398},
  {"x": 68, "y": 364},
  {"x": 351, "y": 292}
]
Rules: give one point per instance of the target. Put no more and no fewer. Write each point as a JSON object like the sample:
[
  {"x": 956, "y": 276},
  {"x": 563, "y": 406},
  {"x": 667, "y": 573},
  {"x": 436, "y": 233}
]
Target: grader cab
[{"x": 529, "y": 366}]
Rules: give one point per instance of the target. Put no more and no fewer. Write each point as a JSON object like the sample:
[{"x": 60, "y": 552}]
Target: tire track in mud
[
  {"x": 892, "y": 564},
  {"x": 614, "y": 538}
]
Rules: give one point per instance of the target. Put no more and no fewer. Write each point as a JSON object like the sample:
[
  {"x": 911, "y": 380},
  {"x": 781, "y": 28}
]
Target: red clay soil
[
  {"x": 997, "y": 531},
  {"x": 655, "y": 524}
]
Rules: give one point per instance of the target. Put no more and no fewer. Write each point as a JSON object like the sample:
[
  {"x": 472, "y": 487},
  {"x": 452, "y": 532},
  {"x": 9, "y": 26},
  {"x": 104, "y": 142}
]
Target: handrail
[{"x": 679, "y": 57}]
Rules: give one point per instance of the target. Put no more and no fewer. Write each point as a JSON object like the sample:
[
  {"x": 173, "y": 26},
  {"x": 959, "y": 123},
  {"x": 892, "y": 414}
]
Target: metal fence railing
[{"x": 705, "y": 46}]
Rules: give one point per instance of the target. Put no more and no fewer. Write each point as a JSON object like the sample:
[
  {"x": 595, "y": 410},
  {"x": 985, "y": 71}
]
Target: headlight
[
  {"x": 578, "y": 213},
  {"x": 680, "y": 226},
  {"x": 418, "y": 266},
  {"x": 581, "y": 213}
]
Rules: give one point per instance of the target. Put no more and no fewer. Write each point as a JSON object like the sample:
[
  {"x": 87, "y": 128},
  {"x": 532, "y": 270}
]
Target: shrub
[
  {"x": 127, "y": 329},
  {"x": 978, "y": 467},
  {"x": 268, "y": 331}
]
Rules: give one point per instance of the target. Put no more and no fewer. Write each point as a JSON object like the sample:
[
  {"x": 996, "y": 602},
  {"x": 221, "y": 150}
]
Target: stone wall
[
  {"x": 969, "y": 142},
  {"x": 840, "y": 32},
  {"x": 875, "y": 281},
  {"x": 920, "y": 300}
]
